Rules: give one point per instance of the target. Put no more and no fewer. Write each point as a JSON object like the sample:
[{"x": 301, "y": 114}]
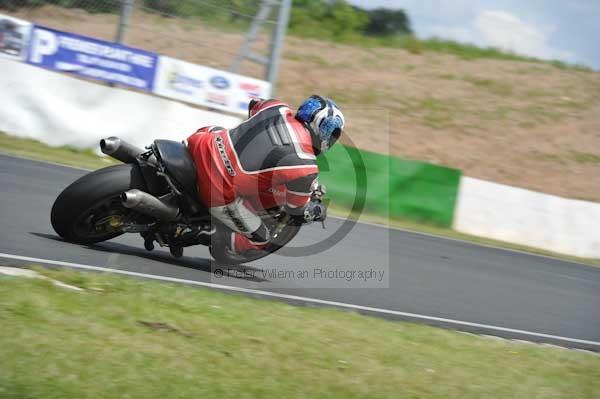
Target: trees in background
[
  {"x": 387, "y": 22},
  {"x": 338, "y": 19}
]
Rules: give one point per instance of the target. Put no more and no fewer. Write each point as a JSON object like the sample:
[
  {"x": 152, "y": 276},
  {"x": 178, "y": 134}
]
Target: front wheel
[{"x": 90, "y": 210}]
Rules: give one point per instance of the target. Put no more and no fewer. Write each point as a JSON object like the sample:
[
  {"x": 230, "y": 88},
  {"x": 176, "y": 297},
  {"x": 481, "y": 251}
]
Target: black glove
[{"x": 315, "y": 212}]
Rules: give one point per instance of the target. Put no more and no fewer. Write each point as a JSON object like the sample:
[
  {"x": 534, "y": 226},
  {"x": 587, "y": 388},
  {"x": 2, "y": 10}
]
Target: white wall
[
  {"x": 527, "y": 217},
  {"x": 58, "y": 110}
]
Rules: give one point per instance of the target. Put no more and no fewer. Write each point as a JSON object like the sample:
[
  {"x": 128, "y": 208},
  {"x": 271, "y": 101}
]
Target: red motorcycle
[{"x": 153, "y": 193}]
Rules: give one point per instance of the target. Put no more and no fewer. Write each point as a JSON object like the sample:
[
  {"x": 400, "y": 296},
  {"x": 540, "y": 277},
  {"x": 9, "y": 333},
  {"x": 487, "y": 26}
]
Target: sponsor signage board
[
  {"x": 92, "y": 58},
  {"x": 14, "y": 37},
  {"x": 207, "y": 86}
]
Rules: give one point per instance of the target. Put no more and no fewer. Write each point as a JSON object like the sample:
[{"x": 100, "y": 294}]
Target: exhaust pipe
[
  {"x": 120, "y": 150},
  {"x": 149, "y": 205}
]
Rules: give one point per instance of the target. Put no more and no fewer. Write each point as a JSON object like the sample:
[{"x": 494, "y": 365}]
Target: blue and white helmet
[{"x": 324, "y": 118}]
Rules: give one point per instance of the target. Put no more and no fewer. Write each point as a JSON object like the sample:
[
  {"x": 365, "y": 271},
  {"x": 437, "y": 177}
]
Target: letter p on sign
[{"x": 43, "y": 43}]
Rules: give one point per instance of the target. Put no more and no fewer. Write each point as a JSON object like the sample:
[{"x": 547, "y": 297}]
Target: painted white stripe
[
  {"x": 299, "y": 193},
  {"x": 305, "y": 299}
]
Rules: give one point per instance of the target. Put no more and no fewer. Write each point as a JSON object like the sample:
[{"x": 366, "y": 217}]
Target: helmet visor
[{"x": 330, "y": 129}]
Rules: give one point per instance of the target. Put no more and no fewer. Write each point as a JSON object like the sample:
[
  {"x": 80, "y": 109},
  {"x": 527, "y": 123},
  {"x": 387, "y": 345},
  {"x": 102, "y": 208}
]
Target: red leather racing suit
[{"x": 266, "y": 161}]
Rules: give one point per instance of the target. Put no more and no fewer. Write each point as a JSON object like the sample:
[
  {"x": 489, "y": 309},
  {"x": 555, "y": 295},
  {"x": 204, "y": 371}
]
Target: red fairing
[{"x": 226, "y": 169}]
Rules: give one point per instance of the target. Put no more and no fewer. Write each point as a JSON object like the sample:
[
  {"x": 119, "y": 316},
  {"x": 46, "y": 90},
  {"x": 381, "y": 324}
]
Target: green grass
[
  {"x": 88, "y": 159},
  {"x": 461, "y": 50},
  {"x": 82, "y": 158},
  {"x": 447, "y": 76},
  {"x": 570, "y": 67},
  {"x": 125, "y": 337},
  {"x": 585, "y": 157}
]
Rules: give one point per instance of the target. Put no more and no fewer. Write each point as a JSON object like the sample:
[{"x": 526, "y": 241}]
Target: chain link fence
[{"x": 206, "y": 32}]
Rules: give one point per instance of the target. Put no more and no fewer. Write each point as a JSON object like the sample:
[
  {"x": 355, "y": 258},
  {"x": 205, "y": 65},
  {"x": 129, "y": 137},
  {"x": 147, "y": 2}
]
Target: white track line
[{"x": 305, "y": 299}]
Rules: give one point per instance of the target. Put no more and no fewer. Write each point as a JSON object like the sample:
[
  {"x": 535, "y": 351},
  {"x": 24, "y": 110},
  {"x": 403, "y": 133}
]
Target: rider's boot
[
  {"x": 240, "y": 243},
  {"x": 176, "y": 251}
]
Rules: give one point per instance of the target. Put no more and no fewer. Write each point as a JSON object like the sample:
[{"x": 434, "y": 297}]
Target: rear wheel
[{"x": 90, "y": 209}]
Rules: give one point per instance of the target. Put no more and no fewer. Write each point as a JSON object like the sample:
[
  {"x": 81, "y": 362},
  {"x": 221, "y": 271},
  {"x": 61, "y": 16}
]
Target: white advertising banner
[
  {"x": 14, "y": 37},
  {"x": 206, "y": 86}
]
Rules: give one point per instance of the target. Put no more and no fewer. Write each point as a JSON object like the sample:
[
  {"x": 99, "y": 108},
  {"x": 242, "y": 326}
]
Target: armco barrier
[{"x": 390, "y": 186}]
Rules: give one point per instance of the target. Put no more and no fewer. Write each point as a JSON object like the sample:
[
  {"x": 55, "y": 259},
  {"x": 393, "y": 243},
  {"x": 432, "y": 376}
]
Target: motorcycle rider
[{"x": 267, "y": 160}]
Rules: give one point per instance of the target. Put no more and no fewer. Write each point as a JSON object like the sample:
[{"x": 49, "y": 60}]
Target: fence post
[
  {"x": 279, "y": 32},
  {"x": 127, "y": 6},
  {"x": 246, "y": 51}
]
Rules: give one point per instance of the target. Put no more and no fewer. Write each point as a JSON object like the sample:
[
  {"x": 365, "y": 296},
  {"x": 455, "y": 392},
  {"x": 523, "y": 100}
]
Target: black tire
[
  {"x": 223, "y": 255},
  {"x": 90, "y": 192}
]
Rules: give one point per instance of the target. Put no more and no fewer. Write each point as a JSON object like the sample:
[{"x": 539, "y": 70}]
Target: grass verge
[
  {"x": 88, "y": 159},
  {"x": 64, "y": 155},
  {"x": 125, "y": 337}
]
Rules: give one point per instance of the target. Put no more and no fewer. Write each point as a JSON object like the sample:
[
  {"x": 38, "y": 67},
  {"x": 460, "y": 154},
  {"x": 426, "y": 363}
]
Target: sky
[{"x": 567, "y": 30}]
